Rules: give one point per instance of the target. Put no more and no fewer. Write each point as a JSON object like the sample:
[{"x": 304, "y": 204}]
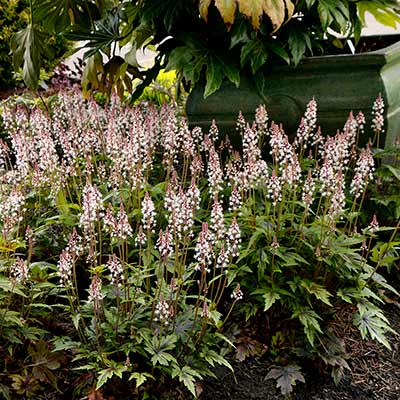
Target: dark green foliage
[
  {"x": 202, "y": 40},
  {"x": 26, "y": 41},
  {"x": 13, "y": 17}
]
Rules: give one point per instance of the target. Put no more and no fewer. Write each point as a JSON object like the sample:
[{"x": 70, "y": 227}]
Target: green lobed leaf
[
  {"x": 140, "y": 377},
  {"x": 270, "y": 298},
  {"x": 255, "y": 52},
  {"x": 28, "y": 46},
  {"x": 213, "y": 77}
]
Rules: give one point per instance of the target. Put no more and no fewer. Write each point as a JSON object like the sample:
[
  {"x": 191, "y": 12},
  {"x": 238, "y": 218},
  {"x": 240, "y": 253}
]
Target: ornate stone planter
[{"x": 339, "y": 83}]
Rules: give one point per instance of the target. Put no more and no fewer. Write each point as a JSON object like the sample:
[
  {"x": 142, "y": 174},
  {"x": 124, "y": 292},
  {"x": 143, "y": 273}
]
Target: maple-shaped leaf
[
  {"x": 286, "y": 377},
  {"x": 276, "y": 10},
  {"x": 226, "y": 10}
]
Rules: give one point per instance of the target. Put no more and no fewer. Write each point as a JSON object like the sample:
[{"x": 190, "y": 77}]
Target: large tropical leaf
[
  {"x": 27, "y": 47},
  {"x": 57, "y": 15},
  {"x": 106, "y": 33}
]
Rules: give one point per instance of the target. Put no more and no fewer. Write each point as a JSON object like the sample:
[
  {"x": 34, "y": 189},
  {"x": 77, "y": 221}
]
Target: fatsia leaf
[
  {"x": 227, "y": 9},
  {"x": 274, "y": 9},
  {"x": 286, "y": 377},
  {"x": 213, "y": 76},
  {"x": 57, "y": 15},
  {"x": 239, "y": 33},
  {"x": 90, "y": 77},
  {"x": 232, "y": 73},
  {"x": 203, "y": 8},
  {"x": 28, "y": 46},
  {"x": 255, "y": 52},
  {"x": 297, "y": 46}
]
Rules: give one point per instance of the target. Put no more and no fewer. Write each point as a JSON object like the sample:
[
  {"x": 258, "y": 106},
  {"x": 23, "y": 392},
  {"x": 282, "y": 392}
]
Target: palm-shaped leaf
[
  {"x": 57, "y": 15},
  {"x": 28, "y": 47},
  {"x": 276, "y": 10}
]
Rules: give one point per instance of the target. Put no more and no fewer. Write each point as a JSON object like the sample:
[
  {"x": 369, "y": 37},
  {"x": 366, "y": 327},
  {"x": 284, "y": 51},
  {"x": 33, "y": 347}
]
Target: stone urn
[{"x": 339, "y": 84}]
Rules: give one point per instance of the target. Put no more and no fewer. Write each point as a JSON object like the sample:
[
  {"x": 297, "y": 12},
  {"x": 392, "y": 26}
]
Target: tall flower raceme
[
  {"x": 165, "y": 243},
  {"x": 308, "y": 125},
  {"x": 19, "y": 271},
  {"x": 118, "y": 226},
  {"x": 274, "y": 188},
  {"x": 185, "y": 139},
  {"x": 116, "y": 270},
  {"x": 68, "y": 258},
  {"x": 378, "y": 119},
  {"x": 12, "y": 208},
  {"x": 363, "y": 172},
  {"x": 92, "y": 209},
  {"x": 169, "y": 130},
  {"x": 65, "y": 268},
  {"x": 180, "y": 208},
  {"x": 204, "y": 252},
  {"x": 148, "y": 213},
  {"x": 351, "y": 129},
  {"x": 261, "y": 120},
  {"x": 338, "y": 198},
  {"x": 124, "y": 229},
  {"x": 307, "y": 196},
  {"x": 214, "y": 171},
  {"x": 360, "y": 118},
  {"x": 95, "y": 292},
  {"x": 291, "y": 173},
  {"x": 235, "y": 200},
  {"x": 233, "y": 239},
  {"x": 4, "y": 157},
  {"x": 281, "y": 149},
  {"x": 217, "y": 223},
  {"x": 255, "y": 169}
]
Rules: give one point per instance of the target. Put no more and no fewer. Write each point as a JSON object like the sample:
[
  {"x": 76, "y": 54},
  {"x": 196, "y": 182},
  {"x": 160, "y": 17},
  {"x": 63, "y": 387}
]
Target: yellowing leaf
[
  {"x": 227, "y": 9},
  {"x": 275, "y": 9},
  {"x": 203, "y": 8},
  {"x": 290, "y": 8},
  {"x": 252, "y": 9}
]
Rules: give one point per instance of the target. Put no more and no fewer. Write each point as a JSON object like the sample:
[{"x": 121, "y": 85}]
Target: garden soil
[{"x": 375, "y": 373}]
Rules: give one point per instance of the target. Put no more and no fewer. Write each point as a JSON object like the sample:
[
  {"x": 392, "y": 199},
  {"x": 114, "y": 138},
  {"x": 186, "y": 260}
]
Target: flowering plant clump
[{"x": 136, "y": 231}]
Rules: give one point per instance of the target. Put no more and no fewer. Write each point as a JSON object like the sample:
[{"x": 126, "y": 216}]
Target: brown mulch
[{"x": 375, "y": 371}]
